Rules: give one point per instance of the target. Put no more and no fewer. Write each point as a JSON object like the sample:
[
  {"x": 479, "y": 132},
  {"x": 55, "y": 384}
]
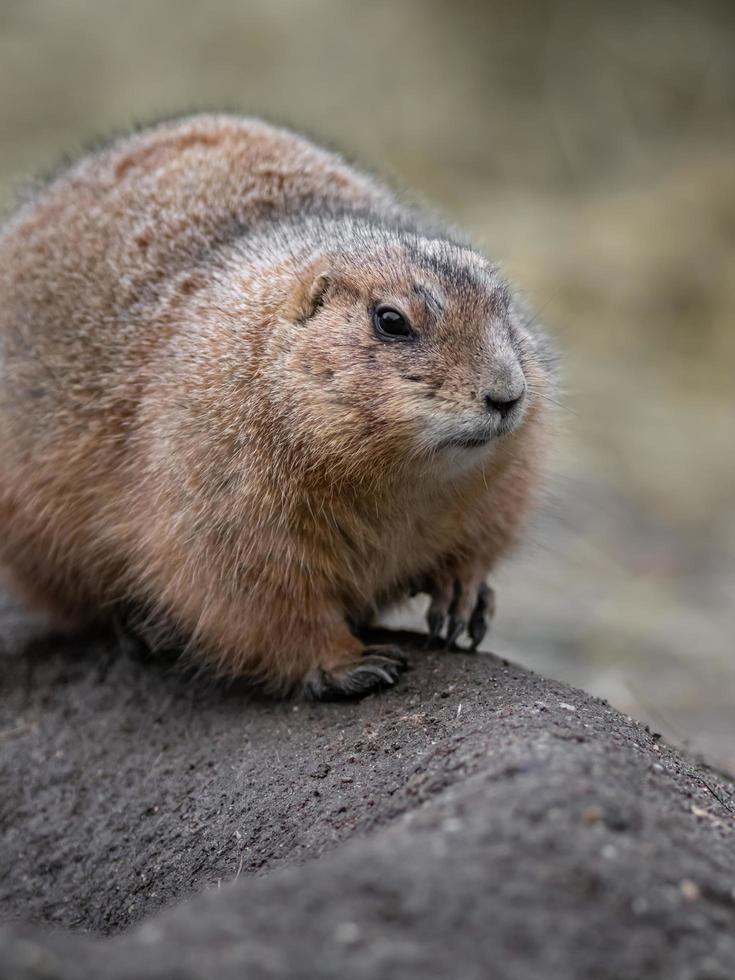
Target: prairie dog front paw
[{"x": 457, "y": 605}]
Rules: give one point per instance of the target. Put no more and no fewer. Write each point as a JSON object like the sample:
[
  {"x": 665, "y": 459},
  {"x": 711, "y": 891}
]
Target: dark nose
[{"x": 502, "y": 406}]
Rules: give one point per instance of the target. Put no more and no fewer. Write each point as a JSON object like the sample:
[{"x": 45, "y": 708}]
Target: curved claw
[
  {"x": 435, "y": 620},
  {"x": 388, "y": 652},
  {"x": 378, "y": 668},
  {"x": 477, "y": 630},
  {"x": 481, "y": 614},
  {"x": 454, "y": 631}
]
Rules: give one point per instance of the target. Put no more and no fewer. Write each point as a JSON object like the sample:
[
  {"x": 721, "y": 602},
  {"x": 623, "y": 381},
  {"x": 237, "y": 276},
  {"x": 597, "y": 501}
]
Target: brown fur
[{"x": 197, "y": 417}]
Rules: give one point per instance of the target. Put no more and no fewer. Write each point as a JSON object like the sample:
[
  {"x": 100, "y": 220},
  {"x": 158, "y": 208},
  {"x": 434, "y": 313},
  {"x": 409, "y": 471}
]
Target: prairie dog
[{"x": 246, "y": 390}]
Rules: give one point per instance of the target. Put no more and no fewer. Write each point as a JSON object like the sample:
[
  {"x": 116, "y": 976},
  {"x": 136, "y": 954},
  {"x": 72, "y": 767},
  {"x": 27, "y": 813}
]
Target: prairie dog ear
[{"x": 309, "y": 291}]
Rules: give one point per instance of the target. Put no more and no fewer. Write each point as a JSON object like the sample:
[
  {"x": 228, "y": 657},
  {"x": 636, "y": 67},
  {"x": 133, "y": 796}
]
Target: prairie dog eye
[{"x": 391, "y": 324}]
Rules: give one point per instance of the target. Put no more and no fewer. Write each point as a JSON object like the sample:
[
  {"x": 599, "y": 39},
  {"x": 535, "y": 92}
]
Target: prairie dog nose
[
  {"x": 502, "y": 407},
  {"x": 506, "y": 389}
]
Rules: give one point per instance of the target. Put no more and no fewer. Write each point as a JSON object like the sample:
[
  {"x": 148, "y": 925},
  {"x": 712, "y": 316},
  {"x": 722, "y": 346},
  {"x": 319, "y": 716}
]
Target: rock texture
[{"x": 476, "y": 821}]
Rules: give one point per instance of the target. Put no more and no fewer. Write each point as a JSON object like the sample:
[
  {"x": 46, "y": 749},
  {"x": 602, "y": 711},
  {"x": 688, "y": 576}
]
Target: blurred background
[{"x": 590, "y": 147}]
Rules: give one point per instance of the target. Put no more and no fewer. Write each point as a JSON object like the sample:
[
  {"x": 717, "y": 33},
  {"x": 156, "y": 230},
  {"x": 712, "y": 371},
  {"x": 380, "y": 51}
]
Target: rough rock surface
[{"x": 477, "y": 821}]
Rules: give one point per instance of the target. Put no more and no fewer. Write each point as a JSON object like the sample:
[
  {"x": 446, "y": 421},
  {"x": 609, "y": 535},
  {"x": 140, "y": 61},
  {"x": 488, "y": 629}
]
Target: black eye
[{"x": 391, "y": 325}]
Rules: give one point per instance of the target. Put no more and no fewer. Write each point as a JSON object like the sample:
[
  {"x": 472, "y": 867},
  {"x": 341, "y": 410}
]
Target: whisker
[
  {"x": 553, "y": 401},
  {"x": 529, "y": 323}
]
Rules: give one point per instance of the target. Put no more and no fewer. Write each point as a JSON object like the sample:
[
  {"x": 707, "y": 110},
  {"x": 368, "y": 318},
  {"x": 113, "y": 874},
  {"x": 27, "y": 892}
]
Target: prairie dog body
[{"x": 244, "y": 389}]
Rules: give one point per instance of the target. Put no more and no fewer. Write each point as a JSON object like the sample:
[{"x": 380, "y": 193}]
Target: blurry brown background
[{"x": 590, "y": 147}]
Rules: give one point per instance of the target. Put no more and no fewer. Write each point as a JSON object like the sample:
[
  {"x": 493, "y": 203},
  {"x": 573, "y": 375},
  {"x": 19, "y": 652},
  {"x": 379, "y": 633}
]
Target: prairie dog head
[
  {"x": 393, "y": 343},
  {"x": 373, "y": 349}
]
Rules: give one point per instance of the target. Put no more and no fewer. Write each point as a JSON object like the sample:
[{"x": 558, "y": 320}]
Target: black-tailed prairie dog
[{"x": 248, "y": 393}]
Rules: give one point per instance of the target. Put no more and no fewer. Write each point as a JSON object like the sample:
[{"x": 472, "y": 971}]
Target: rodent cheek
[
  {"x": 313, "y": 366},
  {"x": 409, "y": 410},
  {"x": 537, "y": 380}
]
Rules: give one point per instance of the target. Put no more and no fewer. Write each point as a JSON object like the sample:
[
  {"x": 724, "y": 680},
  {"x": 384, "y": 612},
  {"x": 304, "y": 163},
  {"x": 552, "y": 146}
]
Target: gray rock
[{"x": 476, "y": 821}]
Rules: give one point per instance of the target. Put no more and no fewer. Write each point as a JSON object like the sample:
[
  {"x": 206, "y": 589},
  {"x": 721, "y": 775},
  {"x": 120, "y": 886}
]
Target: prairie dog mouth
[
  {"x": 472, "y": 435},
  {"x": 484, "y": 437},
  {"x": 469, "y": 442}
]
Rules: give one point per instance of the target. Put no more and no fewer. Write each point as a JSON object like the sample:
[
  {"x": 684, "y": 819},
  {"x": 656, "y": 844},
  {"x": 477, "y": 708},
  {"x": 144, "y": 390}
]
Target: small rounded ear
[{"x": 310, "y": 291}]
